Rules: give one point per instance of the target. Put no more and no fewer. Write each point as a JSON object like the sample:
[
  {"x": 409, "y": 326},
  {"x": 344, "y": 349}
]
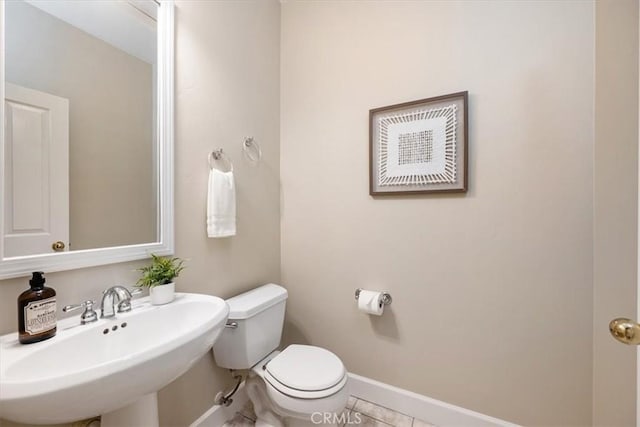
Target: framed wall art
[{"x": 419, "y": 147}]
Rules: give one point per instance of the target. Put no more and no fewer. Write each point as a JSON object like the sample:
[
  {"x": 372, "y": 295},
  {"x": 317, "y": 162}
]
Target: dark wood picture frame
[{"x": 418, "y": 162}]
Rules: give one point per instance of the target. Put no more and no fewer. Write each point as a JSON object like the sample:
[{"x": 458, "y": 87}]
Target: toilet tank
[{"x": 259, "y": 314}]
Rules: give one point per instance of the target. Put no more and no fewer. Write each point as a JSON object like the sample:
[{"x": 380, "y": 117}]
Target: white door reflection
[{"x": 37, "y": 173}]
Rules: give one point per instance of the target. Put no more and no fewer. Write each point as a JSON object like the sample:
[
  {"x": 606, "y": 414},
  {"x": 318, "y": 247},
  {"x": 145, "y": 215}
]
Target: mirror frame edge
[{"x": 23, "y": 266}]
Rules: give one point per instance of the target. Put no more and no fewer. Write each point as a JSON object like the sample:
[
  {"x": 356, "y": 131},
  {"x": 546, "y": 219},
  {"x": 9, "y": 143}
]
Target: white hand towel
[{"x": 221, "y": 204}]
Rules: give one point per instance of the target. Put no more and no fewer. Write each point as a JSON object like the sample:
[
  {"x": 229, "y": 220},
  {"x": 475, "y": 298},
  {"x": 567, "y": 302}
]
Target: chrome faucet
[{"x": 116, "y": 296}]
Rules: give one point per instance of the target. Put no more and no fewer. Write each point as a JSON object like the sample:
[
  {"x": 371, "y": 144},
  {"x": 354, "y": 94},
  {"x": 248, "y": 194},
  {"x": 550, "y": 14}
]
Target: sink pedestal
[{"x": 142, "y": 412}]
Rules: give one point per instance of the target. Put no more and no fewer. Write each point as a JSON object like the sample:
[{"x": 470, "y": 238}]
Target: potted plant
[{"x": 158, "y": 277}]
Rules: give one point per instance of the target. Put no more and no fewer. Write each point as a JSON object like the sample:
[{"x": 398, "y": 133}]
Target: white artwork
[{"x": 418, "y": 147}]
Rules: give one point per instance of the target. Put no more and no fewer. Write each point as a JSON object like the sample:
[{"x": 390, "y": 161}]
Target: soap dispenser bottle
[{"x": 36, "y": 311}]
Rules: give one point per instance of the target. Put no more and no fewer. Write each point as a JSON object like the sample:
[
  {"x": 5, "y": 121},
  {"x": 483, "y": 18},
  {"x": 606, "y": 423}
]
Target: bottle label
[{"x": 40, "y": 316}]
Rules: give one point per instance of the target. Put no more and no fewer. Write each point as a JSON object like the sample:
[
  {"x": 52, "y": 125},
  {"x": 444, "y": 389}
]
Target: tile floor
[{"x": 358, "y": 412}]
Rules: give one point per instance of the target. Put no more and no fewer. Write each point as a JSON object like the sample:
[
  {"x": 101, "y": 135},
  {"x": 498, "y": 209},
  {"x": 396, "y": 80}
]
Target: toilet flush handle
[{"x": 231, "y": 325}]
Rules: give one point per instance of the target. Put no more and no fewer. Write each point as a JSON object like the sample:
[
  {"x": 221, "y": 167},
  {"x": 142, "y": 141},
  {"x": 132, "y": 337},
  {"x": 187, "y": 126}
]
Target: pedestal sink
[{"x": 113, "y": 366}]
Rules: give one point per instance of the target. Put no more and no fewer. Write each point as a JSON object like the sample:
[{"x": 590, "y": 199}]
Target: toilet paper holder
[{"x": 386, "y": 296}]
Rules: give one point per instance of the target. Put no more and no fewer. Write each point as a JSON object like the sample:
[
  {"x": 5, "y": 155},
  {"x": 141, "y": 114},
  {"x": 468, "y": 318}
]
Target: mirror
[{"x": 87, "y": 139}]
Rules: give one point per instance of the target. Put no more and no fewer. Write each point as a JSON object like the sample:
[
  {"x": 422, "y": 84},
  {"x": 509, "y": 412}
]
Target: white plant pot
[{"x": 162, "y": 294}]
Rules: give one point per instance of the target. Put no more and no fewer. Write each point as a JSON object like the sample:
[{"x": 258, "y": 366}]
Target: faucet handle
[
  {"x": 124, "y": 306},
  {"x": 118, "y": 289},
  {"x": 121, "y": 288},
  {"x": 87, "y": 316}
]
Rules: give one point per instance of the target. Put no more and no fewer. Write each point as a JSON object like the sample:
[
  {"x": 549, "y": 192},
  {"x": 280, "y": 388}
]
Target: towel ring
[
  {"x": 251, "y": 150},
  {"x": 219, "y": 156}
]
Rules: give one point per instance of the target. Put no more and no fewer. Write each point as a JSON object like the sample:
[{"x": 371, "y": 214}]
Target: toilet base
[
  {"x": 294, "y": 422},
  {"x": 267, "y": 417}
]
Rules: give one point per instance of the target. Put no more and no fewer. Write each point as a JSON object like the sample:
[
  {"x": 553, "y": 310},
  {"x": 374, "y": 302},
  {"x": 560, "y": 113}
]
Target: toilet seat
[{"x": 306, "y": 372}]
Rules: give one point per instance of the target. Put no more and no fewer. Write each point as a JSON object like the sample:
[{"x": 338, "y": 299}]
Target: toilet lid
[{"x": 306, "y": 368}]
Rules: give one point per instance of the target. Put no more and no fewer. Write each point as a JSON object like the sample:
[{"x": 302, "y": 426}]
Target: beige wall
[
  {"x": 615, "y": 208},
  {"x": 111, "y": 185},
  {"x": 492, "y": 290},
  {"x": 227, "y": 67},
  {"x": 228, "y": 63}
]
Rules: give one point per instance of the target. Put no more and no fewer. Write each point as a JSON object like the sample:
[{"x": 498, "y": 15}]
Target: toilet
[{"x": 301, "y": 385}]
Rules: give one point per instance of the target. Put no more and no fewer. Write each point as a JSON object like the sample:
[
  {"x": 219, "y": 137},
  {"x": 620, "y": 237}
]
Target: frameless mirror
[{"x": 87, "y": 137}]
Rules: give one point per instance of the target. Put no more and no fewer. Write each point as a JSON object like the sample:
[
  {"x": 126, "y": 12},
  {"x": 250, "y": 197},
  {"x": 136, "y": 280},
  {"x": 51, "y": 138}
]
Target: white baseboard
[
  {"x": 419, "y": 406},
  {"x": 415, "y": 405},
  {"x": 217, "y": 415}
]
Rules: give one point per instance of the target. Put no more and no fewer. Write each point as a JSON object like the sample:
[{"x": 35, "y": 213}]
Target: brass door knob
[
  {"x": 625, "y": 330},
  {"x": 58, "y": 246}
]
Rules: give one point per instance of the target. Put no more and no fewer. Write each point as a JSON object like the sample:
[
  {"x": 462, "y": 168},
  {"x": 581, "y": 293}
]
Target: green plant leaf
[{"x": 161, "y": 271}]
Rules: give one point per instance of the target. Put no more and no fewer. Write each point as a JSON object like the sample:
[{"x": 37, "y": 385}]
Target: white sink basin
[{"x": 84, "y": 372}]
